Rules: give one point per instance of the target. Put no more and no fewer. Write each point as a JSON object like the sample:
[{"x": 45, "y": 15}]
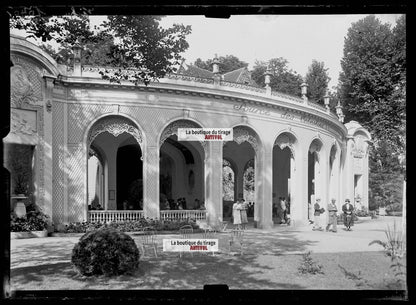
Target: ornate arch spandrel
[
  {"x": 284, "y": 141},
  {"x": 241, "y": 134},
  {"x": 172, "y": 129},
  {"x": 116, "y": 126}
]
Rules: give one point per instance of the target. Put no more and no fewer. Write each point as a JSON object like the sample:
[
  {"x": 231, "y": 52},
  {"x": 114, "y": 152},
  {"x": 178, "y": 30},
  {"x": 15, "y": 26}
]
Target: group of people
[
  {"x": 240, "y": 213},
  {"x": 171, "y": 204},
  {"x": 347, "y": 210},
  {"x": 281, "y": 210}
]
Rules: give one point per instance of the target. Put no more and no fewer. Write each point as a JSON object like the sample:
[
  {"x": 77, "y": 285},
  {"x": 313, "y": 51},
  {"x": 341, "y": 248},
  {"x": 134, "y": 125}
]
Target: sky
[{"x": 297, "y": 38}]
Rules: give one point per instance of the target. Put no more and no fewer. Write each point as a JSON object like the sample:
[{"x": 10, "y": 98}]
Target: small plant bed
[
  {"x": 161, "y": 226},
  {"x": 33, "y": 224}
]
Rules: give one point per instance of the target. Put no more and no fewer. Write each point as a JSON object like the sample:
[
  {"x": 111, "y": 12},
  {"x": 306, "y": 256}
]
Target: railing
[
  {"x": 108, "y": 216},
  {"x": 183, "y": 214}
]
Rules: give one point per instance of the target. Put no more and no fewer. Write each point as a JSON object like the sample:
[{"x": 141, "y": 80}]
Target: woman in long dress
[
  {"x": 243, "y": 213},
  {"x": 237, "y": 214}
]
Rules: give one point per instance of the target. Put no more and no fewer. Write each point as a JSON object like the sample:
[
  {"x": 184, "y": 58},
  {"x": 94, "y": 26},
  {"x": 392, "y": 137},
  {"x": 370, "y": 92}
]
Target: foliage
[
  {"x": 105, "y": 251},
  {"x": 385, "y": 178},
  {"x": 129, "y": 226},
  {"x": 395, "y": 247},
  {"x": 227, "y": 181},
  {"x": 362, "y": 212},
  {"x": 227, "y": 63},
  {"x": 35, "y": 220},
  {"x": 309, "y": 265},
  {"x": 373, "y": 80},
  {"x": 373, "y": 91},
  {"x": 283, "y": 79},
  {"x": 317, "y": 79},
  {"x": 136, "y": 43},
  {"x": 248, "y": 180}
]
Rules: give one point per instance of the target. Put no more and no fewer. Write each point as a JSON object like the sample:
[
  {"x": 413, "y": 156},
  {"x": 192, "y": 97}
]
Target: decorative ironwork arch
[
  {"x": 315, "y": 147},
  {"x": 286, "y": 140},
  {"x": 172, "y": 129},
  {"x": 115, "y": 125},
  {"x": 242, "y": 134}
]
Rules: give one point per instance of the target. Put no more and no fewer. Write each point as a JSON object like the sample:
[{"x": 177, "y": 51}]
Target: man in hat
[
  {"x": 332, "y": 221},
  {"x": 317, "y": 215},
  {"x": 348, "y": 210}
]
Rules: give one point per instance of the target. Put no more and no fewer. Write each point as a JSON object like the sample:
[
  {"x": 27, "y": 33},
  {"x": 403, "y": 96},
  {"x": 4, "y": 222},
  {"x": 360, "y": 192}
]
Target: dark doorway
[{"x": 129, "y": 177}]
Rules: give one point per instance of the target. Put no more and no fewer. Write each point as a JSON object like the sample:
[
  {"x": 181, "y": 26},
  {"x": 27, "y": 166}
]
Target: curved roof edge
[{"x": 19, "y": 44}]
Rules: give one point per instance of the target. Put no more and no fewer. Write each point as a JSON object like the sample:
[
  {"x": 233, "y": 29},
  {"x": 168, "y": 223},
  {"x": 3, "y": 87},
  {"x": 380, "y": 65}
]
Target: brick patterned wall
[
  {"x": 80, "y": 116},
  {"x": 76, "y": 176},
  {"x": 151, "y": 120},
  {"x": 58, "y": 210}
]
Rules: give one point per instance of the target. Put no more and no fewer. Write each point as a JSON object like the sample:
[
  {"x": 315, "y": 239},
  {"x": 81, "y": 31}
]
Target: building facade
[{"x": 70, "y": 116}]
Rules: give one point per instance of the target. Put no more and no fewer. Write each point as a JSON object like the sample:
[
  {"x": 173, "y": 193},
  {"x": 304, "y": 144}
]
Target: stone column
[
  {"x": 77, "y": 186},
  {"x": 263, "y": 185},
  {"x": 151, "y": 182},
  {"x": 349, "y": 172},
  {"x": 299, "y": 204},
  {"x": 111, "y": 204},
  {"x": 213, "y": 183},
  {"x": 47, "y": 147}
]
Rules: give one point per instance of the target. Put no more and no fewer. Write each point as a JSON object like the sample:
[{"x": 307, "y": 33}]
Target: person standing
[
  {"x": 284, "y": 209},
  {"x": 244, "y": 220},
  {"x": 237, "y": 214},
  {"x": 332, "y": 221},
  {"x": 317, "y": 215},
  {"x": 348, "y": 209}
]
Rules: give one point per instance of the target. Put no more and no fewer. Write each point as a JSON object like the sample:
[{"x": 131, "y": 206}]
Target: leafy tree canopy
[
  {"x": 283, "y": 79},
  {"x": 137, "y": 43},
  {"x": 317, "y": 79},
  {"x": 227, "y": 63},
  {"x": 373, "y": 79}
]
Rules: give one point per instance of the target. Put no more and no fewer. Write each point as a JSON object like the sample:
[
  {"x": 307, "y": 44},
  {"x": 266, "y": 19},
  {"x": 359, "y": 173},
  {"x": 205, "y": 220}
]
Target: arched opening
[
  {"x": 241, "y": 154},
  {"x": 283, "y": 174},
  {"x": 129, "y": 176},
  {"x": 249, "y": 187},
  {"x": 181, "y": 175},
  {"x": 314, "y": 175},
  {"x": 117, "y": 168},
  {"x": 228, "y": 187}
]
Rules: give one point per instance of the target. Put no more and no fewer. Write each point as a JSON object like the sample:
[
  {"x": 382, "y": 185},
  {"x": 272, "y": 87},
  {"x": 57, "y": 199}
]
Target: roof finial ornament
[
  {"x": 304, "y": 90},
  {"x": 216, "y": 65}
]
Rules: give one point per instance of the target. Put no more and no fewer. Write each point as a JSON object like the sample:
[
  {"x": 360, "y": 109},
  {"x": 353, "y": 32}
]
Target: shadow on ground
[{"x": 47, "y": 266}]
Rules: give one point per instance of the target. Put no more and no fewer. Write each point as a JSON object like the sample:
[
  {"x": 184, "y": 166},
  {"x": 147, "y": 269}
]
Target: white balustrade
[
  {"x": 182, "y": 214},
  {"x": 108, "y": 216},
  {"x": 132, "y": 215}
]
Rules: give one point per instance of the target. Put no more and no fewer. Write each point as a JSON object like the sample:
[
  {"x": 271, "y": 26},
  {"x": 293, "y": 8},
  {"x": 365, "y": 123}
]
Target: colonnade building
[{"x": 117, "y": 144}]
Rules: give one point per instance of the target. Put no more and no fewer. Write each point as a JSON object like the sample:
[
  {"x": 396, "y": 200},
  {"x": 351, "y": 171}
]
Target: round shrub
[{"x": 105, "y": 251}]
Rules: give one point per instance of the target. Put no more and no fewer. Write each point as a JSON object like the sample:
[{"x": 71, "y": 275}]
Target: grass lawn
[{"x": 46, "y": 266}]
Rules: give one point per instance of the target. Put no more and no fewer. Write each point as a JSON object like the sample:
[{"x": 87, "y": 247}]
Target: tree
[
  {"x": 134, "y": 43},
  {"x": 372, "y": 89},
  {"x": 227, "y": 63},
  {"x": 372, "y": 79},
  {"x": 317, "y": 79},
  {"x": 282, "y": 79}
]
